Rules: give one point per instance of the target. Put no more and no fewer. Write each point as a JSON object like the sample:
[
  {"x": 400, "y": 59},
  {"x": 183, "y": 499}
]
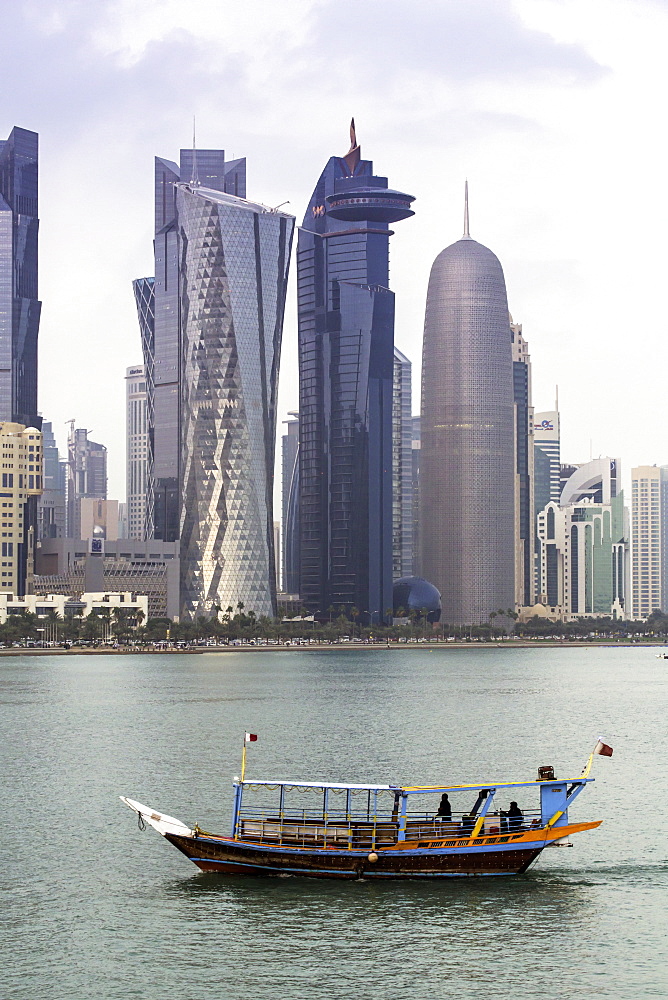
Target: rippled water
[{"x": 91, "y": 908}]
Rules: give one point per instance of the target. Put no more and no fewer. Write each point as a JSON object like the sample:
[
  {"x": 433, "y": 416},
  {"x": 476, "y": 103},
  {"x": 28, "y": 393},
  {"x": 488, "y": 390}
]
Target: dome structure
[{"x": 412, "y": 593}]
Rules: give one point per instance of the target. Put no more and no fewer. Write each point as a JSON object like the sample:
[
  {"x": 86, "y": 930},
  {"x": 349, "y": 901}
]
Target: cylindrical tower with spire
[{"x": 467, "y": 450}]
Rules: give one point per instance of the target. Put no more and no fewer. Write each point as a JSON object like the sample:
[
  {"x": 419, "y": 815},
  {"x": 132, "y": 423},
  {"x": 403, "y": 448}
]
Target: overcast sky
[{"x": 555, "y": 110}]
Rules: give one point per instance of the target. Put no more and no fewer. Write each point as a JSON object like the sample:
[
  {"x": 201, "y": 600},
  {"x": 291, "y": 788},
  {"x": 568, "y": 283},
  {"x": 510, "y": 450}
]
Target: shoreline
[{"x": 329, "y": 647}]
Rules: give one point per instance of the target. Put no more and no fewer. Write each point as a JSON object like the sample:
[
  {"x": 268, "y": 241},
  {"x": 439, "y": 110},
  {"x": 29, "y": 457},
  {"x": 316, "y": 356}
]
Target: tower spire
[
  {"x": 467, "y": 235},
  {"x": 352, "y": 157},
  {"x": 194, "y": 178}
]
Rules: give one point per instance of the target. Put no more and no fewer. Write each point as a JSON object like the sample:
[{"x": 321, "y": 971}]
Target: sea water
[{"x": 93, "y": 908}]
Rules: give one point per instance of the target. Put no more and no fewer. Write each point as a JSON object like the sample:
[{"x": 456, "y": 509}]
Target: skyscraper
[
  {"x": 86, "y": 475},
  {"x": 648, "y": 530},
  {"x": 547, "y": 459},
  {"x": 144, "y": 289},
  {"x": 234, "y": 257},
  {"x": 19, "y": 315},
  {"x": 158, "y": 300},
  {"x": 216, "y": 308},
  {"x": 52, "y": 505},
  {"x": 525, "y": 519},
  {"x": 402, "y": 469},
  {"x": 467, "y": 470},
  {"x": 346, "y": 358},
  {"x": 136, "y": 426},
  {"x": 290, "y": 506},
  {"x": 19, "y": 305}
]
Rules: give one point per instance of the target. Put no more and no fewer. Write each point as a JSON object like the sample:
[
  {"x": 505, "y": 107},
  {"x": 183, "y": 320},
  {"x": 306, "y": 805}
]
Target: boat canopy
[
  {"x": 407, "y": 789},
  {"x": 288, "y": 783}
]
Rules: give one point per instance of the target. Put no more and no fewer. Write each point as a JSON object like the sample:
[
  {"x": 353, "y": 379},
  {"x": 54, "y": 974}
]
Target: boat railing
[{"x": 358, "y": 829}]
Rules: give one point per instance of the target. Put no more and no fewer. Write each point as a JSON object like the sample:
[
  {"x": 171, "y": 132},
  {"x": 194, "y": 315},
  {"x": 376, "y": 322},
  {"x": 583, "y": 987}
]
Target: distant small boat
[
  {"x": 662, "y": 656},
  {"x": 379, "y": 831}
]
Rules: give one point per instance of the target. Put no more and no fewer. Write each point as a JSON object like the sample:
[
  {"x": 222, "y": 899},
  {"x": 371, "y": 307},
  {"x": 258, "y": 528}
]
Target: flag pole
[{"x": 243, "y": 759}]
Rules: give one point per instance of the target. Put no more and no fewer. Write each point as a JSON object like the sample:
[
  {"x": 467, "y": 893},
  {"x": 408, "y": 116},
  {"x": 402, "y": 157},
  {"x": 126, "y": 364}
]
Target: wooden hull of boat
[{"x": 231, "y": 857}]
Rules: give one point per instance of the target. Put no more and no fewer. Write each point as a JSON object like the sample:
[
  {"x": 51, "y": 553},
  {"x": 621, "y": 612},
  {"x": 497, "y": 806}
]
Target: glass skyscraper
[
  {"x": 19, "y": 305},
  {"x": 467, "y": 463},
  {"x": 402, "y": 469},
  {"x": 346, "y": 359},
  {"x": 218, "y": 302}
]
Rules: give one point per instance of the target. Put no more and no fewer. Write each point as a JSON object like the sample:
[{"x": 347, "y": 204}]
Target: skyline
[{"x": 554, "y": 131}]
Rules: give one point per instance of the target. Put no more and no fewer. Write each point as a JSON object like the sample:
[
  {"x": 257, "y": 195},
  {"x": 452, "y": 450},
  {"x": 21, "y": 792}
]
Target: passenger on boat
[
  {"x": 468, "y": 822},
  {"x": 444, "y": 808},
  {"x": 515, "y": 817}
]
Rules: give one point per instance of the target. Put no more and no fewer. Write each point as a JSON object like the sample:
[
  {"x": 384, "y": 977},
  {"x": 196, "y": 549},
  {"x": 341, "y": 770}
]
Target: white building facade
[{"x": 136, "y": 450}]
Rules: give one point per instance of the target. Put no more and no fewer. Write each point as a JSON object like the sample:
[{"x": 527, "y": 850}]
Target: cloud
[{"x": 456, "y": 40}]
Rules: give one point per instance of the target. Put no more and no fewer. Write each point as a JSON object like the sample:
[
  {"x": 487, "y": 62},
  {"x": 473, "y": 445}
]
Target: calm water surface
[{"x": 91, "y": 908}]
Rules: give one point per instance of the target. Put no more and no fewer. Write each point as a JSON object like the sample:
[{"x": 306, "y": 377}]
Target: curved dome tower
[{"x": 467, "y": 451}]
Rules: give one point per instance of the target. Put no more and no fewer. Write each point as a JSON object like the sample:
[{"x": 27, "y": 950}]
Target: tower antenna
[
  {"x": 194, "y": 179},
  {"x": 467, "y": 235}
]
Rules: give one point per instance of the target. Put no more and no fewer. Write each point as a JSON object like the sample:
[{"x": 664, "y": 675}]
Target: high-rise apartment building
[
  {"x": 290, "y": 505},
  {"x": 467, "y": 458},
  {"x": 218, "y": 300},
  {"x": 346, "y": 360},
  {"x": 648, "y": 530},
  {"x": 52, "y": 504},
  {"x": 525, "y": 519},
  {"x": 86, "y": 475},
  {"x": 402, "y": 468},
  {"x": 137, "y": 450},
  {"x": 21, "y": 482}
]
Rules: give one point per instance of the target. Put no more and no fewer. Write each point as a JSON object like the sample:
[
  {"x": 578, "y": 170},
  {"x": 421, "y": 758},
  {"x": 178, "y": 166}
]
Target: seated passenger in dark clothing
[
  {"x": 444, "y": 808},
  {"x": 515, "y": 817},
  {"x": 468, "y": 822}
]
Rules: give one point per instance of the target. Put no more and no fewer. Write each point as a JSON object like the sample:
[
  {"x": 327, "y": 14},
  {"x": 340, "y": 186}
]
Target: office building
[
  {"x": 21, "y": 481},
  {"x": 467, "y": 456},
  {"x": 290, "y": 505},
  {"x": 144, "y": 291},
  {"x": 52, "y": 504},
  {"x": 19, "y": 304},
  {"x": 20, "y": 313},
  {"x": 649, "y": 486},
  {"x": 76, "y": 566},
  {"x": 402, "y": 468},
  {"x": 86, "y": 475},
  {"x": 415, "y": 473},
  {"x": 346, "y": 361},
  {"x": 218, "y": 300},
  {"x": 583, "y": 559},
  {"x": 547, "y": 459},
  {"x": 159, "y": 299},
  {"x": 137, "y": 451},
  {"x": 525, "y": 518},
  {"x": 583, "y": 544}
]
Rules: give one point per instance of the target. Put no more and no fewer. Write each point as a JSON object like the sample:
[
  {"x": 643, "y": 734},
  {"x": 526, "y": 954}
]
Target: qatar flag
[
  {"x": 252, "y": 738},
  {"x": 603, "y": 749}
]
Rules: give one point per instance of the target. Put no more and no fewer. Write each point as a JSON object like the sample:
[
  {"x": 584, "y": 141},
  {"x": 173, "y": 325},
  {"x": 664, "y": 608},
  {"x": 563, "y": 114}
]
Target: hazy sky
[{"x": 553, "y": 109}]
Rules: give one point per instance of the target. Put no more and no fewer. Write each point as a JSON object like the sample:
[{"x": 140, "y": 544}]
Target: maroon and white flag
[
  {"x": 603, "y": 749},
  {"x": 252, "y": 738}
]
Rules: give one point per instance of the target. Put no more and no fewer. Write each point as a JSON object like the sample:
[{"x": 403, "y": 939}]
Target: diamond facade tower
[
  {"x": 234, "y": 260},
  {"x": 467, "y": 463},
  {"x": 211, "y": 323}
]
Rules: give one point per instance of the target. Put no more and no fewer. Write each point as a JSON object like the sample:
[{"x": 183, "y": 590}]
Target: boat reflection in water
[{"x": 332, "y": 830}]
